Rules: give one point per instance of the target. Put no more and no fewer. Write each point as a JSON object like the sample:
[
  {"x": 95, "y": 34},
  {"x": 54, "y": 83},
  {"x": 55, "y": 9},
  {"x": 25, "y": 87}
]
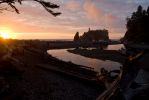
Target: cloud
[
  {"x": 73, "y": 5},
  {"x": 77, "y": 15},
  {"x": 92, "y": 11}
]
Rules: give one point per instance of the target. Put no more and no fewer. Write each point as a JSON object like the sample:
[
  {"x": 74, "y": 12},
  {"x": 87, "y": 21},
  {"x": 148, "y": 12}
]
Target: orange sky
[{"x": 77, "y": 15}]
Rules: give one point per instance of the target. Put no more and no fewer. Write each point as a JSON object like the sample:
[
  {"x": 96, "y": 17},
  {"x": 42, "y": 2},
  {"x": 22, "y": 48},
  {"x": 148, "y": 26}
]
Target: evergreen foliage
[
  {"x": 138, "y": 26},
  {"x": 48, "y": 6}
]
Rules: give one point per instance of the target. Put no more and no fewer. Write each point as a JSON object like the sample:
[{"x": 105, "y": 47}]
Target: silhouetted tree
[
  {"x": 138, "y": 26},
  {"x": 148, "y": 11},
  {"x": 47, "y": 5},
  {"x": 139, "y": 11},
  {"x": 76, "y": 37}
]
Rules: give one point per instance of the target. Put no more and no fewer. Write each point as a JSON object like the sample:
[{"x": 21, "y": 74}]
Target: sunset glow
[
  {"x": 34, "y": 22},
  {"x": 5, "y": 35}
]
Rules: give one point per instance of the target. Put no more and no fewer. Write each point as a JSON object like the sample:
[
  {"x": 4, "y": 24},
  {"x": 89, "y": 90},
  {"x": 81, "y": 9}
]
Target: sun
[{"x": 5, "y": 35}]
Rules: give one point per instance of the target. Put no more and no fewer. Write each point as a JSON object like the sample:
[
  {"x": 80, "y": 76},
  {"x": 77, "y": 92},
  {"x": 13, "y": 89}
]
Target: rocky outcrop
[{"x": 95, "y": 35}]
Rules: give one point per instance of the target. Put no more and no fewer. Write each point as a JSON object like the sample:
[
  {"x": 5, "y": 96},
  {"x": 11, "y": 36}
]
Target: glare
[{"x": 5, "y": 35}]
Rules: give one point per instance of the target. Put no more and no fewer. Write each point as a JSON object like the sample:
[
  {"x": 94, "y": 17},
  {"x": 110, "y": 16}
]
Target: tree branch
[{"x": 48, "y": 6}]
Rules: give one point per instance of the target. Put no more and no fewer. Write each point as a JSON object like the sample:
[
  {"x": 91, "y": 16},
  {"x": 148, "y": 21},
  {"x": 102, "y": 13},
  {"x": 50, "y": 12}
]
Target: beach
[{"x": 33, "y": 83}]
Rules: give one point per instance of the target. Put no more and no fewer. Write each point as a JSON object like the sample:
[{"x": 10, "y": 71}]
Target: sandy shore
[
  {"x": 37, "y": 84},
  {"x": 25, "y": 81}
]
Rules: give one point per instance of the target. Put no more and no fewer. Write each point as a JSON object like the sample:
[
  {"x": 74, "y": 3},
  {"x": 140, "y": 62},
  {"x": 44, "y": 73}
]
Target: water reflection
[
  {"x": 85, "y": 61},
  {"x": 109, "y": 47},
  {"x": 114, "y": 47}
]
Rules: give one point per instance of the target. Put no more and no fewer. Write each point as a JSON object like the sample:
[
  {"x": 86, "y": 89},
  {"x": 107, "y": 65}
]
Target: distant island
[{"x": 92, "y": 35}]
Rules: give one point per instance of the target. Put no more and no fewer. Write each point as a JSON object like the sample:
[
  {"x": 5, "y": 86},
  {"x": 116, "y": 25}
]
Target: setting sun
[{"x": 5, "y": 35}]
